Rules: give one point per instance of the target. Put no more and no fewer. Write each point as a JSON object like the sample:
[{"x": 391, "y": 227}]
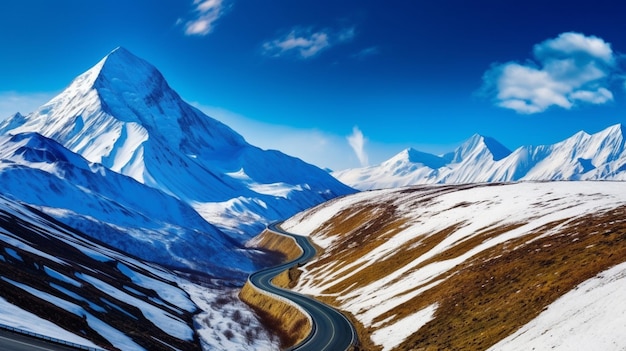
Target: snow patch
[
  {"x": 590, "y": 317},
  {"x": 394, "y": 334},
  {"x": 16, "y": 317}
]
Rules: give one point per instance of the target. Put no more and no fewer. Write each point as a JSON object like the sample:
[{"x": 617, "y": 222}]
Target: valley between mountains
[{"x": 130, "y": 220}]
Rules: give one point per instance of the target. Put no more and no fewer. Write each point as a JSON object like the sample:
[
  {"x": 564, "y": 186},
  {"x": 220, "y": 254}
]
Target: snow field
[{"x": 392, "y": 335}]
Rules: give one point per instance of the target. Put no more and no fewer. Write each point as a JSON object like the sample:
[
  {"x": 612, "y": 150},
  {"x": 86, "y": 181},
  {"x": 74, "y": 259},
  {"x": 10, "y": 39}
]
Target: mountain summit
[
  {"x": 600, "y": 156},
  {"x": 122, "y": 114},
  {"x": 108, "y": 113}
]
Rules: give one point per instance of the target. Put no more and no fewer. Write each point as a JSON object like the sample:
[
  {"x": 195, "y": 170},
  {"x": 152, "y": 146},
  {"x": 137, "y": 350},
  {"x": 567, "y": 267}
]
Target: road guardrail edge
[{"x": 48, "y": 338}]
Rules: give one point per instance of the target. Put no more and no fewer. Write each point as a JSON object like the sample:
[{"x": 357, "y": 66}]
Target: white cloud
[
  {"x": 206, "y": 13},
  {"x": 571, "y": 44},
  {"x": 321, "y": 148},
  {"x": 568, "y": 70},
  {"x": 12, "y": 102},
  {"x": 306, "y": 43},
  {"x": 357, "y": 142}
]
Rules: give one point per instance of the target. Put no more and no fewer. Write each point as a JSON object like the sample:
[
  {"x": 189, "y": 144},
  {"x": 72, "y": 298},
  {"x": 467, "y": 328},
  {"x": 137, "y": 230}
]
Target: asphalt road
[
  {"x": 10, "y": 341},
  {"x": 331, "y": 330}
]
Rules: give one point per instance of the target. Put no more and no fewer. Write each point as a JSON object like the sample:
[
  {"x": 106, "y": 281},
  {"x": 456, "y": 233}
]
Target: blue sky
[{"x": 343, "y": 83}]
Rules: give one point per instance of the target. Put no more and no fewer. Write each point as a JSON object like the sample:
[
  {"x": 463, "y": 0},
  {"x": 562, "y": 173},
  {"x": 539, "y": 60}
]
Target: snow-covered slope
[
  {"x": 601, "y": 156},
  {"x": 115, "y": 209},
  {"x": 463, "y": 267},
  {"x": 122, "y": 114},
  {"x": 57, "y": 282}
]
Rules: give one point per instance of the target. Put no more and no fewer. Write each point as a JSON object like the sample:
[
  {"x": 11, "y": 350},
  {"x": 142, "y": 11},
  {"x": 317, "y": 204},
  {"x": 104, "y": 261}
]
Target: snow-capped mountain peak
[
  {"x": 123, "y": 114},
  {"x": 124, "y": 71},
  {"x": 612, "y": 138},
  {"x": 411, "y": 156},
  {"x": 133, "y": 90},
  {"x": 582, "y": 156},
  {"x": 109, "y": 112},
  {"x": 479, "y": 146},
  {"x": 12, "y": 121}
]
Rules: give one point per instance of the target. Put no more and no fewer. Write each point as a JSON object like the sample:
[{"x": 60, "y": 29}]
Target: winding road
[{"x": 331, "y": 330}]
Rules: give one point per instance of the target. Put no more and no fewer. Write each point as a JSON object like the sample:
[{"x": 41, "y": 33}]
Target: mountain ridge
[
  {"x": 583, "y": 156},
  {"x": 114, "y": 208}
]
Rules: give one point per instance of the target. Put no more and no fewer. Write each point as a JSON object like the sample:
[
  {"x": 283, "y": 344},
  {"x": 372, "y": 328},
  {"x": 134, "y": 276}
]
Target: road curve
[{"x": 331, "y": 331}]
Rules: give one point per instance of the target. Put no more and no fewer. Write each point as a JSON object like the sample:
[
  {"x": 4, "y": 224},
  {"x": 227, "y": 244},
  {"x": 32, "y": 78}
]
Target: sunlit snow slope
[
  {"x": 122, "y": 114},
  {"x": 114, "y": 208},
  {"x": 465, "y": 267},
  {"x": 600, "y": 156}
]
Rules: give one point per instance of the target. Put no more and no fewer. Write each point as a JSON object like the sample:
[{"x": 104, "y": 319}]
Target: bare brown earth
[
  {"x": 490, "y": 298},
  {"x": 281, "y": 244},
  {"x": 487, "y": 297},
  {"x": 286, "y": 321}
]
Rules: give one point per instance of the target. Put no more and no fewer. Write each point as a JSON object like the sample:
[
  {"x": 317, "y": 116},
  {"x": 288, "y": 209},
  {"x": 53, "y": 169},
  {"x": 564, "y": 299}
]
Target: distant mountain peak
[
  {"x": 583, "y": 156},
  {"x": 408, "y": 154},
  {"x": 616, "y": 129},
  {"x": 478, "y": 144},
  {"x": 12, "y": 122},
  {"x": 413, "y": 156},
  {"x": 498, "y": 150}
]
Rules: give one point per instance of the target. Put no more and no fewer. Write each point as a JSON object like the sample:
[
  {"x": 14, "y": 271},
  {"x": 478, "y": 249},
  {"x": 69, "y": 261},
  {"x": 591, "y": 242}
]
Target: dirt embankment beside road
[{"x": 288, "y": 322}]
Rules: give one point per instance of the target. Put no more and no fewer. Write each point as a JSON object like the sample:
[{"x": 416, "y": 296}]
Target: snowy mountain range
[
  {"x": 600, "y": 156},
  {"x": 119, "y": 155}
]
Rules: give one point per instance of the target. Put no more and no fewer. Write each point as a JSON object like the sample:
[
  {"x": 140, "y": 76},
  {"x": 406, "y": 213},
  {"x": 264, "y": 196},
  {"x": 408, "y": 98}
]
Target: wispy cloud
[
  {"x": 357, "y": 142},
  {"x": 318, "y": 147},
  {"x": 322, "y": 148},
  {"x": 12, "y": 102},
  {"x": 306, "y": 43},
  {"x": 205, "y": 14},
  {"x": 568, "y": 70},
  {"x": 367, "y": 52}
]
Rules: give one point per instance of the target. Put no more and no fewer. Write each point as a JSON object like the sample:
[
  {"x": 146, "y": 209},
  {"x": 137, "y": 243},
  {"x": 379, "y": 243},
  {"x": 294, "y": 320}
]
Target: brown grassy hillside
[{"x": 486, "y": 259}]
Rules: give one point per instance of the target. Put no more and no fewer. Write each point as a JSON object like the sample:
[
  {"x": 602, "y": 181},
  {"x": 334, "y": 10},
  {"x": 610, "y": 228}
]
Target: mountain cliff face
[
  {"x": 601, "y": 156},
  {"x": 123, "y": 115}
]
